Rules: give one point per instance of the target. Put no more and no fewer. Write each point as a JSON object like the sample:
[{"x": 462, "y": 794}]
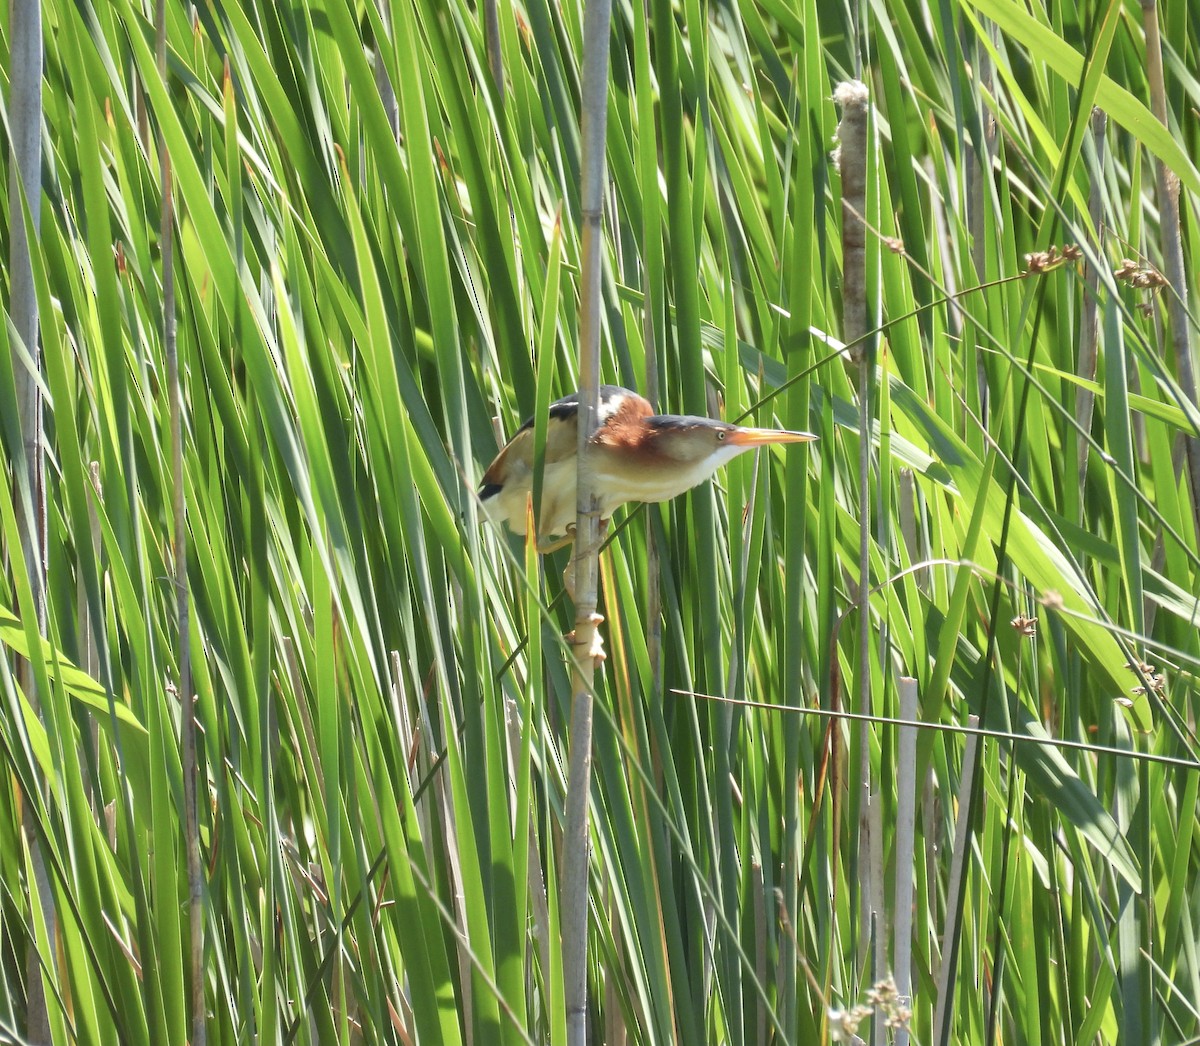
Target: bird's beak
[{"x": 741, "y": 437}]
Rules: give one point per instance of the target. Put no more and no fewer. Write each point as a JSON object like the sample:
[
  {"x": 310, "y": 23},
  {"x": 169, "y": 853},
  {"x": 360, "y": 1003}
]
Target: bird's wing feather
[
  {"x": 514, "y": 463},
  {"x": 623, "y": 421},
  {"x": 515, "y": 459}
]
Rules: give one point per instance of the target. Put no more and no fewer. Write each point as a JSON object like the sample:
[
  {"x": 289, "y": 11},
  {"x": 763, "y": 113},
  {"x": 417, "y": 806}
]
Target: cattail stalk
[
  {"x": 585, "y": 564},
  {"x": 853, "y": 99}
]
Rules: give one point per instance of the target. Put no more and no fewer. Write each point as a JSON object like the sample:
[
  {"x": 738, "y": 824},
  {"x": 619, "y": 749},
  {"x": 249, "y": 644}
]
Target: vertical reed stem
[
  {"x": 187, "y": 724},
  {"x": 491, "y": 25},
  {"x": 587, "y": 530},
  {"x": 979, "y": 175},
  {"x": 954, "y": 889},
  {"x": 906, "y": 830},
  {"x": 1090, "y": 327},
  {"x": 852, "y": 96},
  {"x": 25, "y": 179},
  {"x": 1172, "y": 249}
]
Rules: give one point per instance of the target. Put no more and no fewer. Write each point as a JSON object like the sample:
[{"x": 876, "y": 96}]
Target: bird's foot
[
  {"x": 554, "y": 544},
  {"x": 595, "y": 648}
]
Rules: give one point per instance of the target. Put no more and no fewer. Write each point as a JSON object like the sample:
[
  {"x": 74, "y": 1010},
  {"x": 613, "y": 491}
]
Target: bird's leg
[
  {"x": 569, "y": 579},
  {"x": 569, "y": 572},
  {"x": 596, "y": 647},
  {"x": 544, "y": 549}
]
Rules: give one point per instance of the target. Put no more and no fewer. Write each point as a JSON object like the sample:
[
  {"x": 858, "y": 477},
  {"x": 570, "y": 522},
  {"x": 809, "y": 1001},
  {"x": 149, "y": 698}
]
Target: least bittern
[{"x": 635, "y": 455}]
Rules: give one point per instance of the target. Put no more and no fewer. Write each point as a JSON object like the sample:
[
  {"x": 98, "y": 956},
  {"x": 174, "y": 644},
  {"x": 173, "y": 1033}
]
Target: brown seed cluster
[
  {"x": 1142, "y": 277},
  {"x": 1156, "y": 680},
  {"x": 1041, "y": 262},
  {"x": 896, "y": 1011}
]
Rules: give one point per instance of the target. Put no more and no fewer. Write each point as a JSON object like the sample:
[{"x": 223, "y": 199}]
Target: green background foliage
[{"x": 376, "y": 273}]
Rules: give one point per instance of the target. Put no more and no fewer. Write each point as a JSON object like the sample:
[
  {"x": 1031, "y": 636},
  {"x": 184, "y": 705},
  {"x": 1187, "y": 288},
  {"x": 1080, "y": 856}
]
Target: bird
[{"x": 634, "y": 455}]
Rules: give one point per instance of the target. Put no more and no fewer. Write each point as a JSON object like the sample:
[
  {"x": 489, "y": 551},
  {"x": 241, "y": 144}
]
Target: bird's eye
[{"x": 720, "y": 435}]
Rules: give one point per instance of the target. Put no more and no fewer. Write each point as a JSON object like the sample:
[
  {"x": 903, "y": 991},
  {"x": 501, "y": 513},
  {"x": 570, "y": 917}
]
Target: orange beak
[{"x": 741, "y": 437}]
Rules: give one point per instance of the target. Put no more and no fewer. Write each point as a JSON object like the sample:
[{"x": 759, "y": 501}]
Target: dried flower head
[
  {"x": 1155, "y": 681},
  {"x": 1142, "y": 277},
  {"x": 883, "y": 996},
  {"x": 1040, "y": 262},
  {"x": 1026, "y": 627},
  {"x": 1052, "y": 600}
]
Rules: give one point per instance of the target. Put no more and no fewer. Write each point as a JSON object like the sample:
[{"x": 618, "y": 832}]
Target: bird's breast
[{"x": 620, "y": 478}]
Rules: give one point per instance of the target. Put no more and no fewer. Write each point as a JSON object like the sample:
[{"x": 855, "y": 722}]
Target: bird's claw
[
  {"x": 554, "y": 544},
  {"x": 595, "y": 649}
]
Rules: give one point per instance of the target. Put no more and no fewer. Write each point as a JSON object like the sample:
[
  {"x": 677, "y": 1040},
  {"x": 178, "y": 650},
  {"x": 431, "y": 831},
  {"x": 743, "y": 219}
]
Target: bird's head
[{"x": 695, "y": 441}]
